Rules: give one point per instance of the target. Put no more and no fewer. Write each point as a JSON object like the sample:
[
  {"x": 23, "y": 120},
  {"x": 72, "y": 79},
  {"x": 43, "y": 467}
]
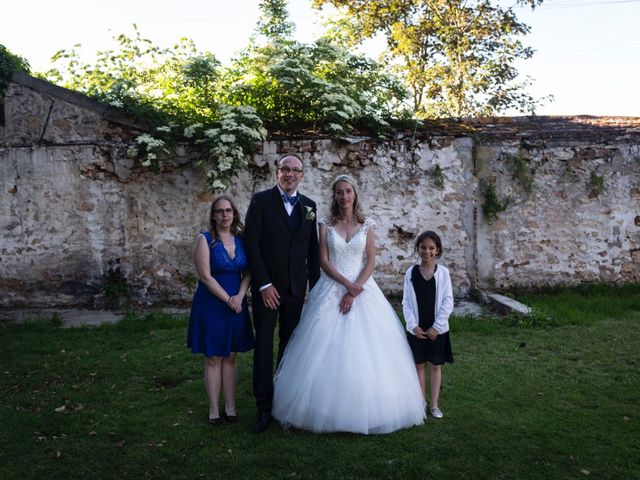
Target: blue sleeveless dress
[{"x": 214, "y": 329}]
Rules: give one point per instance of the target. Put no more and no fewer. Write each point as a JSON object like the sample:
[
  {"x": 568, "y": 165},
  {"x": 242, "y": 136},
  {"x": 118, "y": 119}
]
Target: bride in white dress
[{"x": 347, "y": 366}]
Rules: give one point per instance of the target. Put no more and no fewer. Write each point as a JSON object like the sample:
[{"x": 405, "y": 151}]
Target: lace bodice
[
  {"x": 219, "y": 258},
  {"x": 348, "y": 257}
]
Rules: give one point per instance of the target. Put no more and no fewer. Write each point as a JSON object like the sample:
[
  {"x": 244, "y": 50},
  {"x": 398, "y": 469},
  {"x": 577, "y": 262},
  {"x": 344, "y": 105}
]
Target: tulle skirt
[{"x": 348, "y": 373}]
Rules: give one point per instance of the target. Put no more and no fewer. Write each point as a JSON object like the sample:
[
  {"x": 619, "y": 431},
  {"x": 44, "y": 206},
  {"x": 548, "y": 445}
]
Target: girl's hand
[
  {"x": 432, "y": 333},
  {"x": 346, "y": 303},
  {"x": 354, "y": 289},
  {"x": 419, "y": 333}
]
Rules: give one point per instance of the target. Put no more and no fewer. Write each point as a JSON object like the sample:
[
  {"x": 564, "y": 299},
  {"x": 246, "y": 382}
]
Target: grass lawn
[{"x": 553, "y": 398}]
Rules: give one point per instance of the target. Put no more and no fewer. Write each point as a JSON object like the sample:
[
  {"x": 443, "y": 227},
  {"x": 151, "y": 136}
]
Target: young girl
[{"x": 427, "y": 303}]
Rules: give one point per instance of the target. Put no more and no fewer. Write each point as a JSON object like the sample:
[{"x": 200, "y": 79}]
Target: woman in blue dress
[{"x": 219, "y": 325}]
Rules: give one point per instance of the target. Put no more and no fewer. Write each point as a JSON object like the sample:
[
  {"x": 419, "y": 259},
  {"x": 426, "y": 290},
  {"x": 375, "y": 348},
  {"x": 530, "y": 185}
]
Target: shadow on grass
[{"x": 128, "y": 401}]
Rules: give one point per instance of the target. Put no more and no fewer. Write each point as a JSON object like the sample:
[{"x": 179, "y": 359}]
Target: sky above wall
[{"x": 587, "y": 51}]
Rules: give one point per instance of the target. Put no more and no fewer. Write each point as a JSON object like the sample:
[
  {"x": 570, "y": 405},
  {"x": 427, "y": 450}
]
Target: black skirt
[{"x": 436, "y": 352}]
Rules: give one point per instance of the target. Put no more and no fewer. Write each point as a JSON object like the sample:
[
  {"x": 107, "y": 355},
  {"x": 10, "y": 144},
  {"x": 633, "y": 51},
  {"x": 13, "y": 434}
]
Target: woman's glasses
[{"x": 221, "y": 211}]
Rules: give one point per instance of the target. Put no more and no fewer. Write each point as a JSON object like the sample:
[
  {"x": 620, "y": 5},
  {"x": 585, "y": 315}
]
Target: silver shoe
[{"x": 436, "y": 412}]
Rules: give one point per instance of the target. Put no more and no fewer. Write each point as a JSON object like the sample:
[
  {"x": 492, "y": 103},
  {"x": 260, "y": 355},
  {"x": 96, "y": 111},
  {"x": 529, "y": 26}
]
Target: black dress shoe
[
  {"x": 264, "y": 419},
  {"x": 230, "y": 418},
  {"x": 216, "y": 422}
]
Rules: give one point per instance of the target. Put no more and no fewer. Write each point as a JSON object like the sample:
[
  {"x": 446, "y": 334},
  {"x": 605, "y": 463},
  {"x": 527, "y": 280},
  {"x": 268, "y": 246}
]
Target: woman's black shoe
[
  {"x": 216, "y": 422},
  {"x": 230, "y": 418}
]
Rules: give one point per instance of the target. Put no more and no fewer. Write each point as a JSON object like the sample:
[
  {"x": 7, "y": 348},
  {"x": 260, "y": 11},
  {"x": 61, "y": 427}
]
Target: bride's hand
[
  {"x": 354, "y": 289},
  {"x": 346, "y": 303}
]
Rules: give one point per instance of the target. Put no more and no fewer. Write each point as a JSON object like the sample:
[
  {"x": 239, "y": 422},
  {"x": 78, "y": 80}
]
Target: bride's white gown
[{"x": 353, "y": 372}]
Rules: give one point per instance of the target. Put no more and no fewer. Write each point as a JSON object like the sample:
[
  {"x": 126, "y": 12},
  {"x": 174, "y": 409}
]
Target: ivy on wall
[
  {"x": 492, "y": 206},
  {"x": 596, "y": 184},
  {"x": 523, "y": 172}
]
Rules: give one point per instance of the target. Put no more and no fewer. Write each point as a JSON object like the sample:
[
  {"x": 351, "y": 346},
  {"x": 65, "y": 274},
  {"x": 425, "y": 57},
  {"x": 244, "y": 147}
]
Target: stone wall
[
  {"x": 74, "y": 208},
  {"x": 570, "y": 228}
]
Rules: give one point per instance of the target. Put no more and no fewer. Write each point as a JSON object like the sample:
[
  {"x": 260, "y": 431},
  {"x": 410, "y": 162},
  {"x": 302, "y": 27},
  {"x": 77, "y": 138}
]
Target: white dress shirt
[{"x": 287, "y": 205}]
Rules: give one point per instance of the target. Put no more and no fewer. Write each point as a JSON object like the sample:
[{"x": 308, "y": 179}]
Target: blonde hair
[{"x": 335, "y": 208}]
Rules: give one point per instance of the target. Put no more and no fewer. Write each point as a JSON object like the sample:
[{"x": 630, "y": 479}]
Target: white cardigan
[{"x": 444, "y": 301}]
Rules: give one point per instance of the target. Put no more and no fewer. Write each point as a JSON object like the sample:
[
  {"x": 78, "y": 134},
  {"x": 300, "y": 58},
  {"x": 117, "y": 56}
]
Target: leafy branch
[{"x": 9, "y": 63}]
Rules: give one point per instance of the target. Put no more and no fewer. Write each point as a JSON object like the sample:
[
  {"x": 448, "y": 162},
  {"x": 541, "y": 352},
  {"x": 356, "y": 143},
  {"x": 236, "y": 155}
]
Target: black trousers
[{"x": 264, "y": 322}]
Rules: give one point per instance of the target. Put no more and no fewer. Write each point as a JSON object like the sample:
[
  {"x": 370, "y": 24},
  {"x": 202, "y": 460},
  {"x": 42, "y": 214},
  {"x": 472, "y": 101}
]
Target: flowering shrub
[
  {"x": 224, "y": 147},
  {"x": 320, "y": 84},
  {"x": 227, "y": 145},
  {"x": 149, "y": 149},
  {"x": 186, "y": 94}
]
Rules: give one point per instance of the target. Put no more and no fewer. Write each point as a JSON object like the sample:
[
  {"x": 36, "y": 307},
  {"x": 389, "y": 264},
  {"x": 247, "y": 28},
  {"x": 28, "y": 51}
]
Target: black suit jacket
[{"x": 278, "y": 253}]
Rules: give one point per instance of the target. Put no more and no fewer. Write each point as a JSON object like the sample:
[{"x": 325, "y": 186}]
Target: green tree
[
  {"x": 456, "y": 56},
  {"x": 319, "y": 84},
  {"x": 9, "y": 63},
  {"x": 161, "y": 83},
  {"x": 222, "y": 109},
  {"x": 178, "y": 90},
  {"x": 274, "y": 20}
]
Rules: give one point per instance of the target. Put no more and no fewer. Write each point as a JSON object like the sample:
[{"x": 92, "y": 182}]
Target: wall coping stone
[
  {"x": 520, "y": 129},
  {"x": 107, "y": 111}
]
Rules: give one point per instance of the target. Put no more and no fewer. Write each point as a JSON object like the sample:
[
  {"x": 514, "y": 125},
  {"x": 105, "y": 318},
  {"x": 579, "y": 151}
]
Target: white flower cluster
[
  {"x": 152, "y": 143},
  {"x": 227, "y": 138},
  {"x": 379, "y": 120},
  {"x": 149, "y": 146},
  {"x": 225, "y": 145},
  {"x": 190, "y": 131},
  {"x": 338, "y": 111},
  {"x": 239, "y": 128}
]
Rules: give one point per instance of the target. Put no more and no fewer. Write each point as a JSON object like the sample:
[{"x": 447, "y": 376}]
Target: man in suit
[{"x": 281, "y": 241}]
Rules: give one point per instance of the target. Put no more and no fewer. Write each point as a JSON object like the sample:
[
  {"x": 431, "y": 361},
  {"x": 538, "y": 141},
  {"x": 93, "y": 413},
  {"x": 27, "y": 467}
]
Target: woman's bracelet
[{"x": 228, "y": 300}]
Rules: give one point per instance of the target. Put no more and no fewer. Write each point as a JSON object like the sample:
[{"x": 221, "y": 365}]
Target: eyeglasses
[
  {"x": 288, "y": 170},
  {"x": 221, "y": 211}
]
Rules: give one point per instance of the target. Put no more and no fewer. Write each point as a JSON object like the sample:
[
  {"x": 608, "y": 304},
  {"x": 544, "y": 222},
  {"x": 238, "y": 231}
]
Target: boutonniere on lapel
[{"x": 309, "y": 214}]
